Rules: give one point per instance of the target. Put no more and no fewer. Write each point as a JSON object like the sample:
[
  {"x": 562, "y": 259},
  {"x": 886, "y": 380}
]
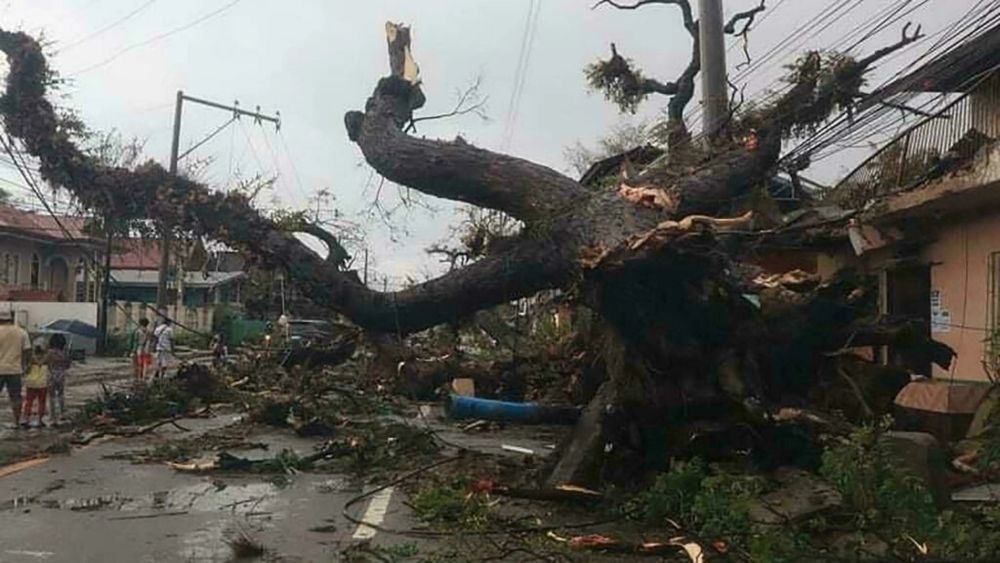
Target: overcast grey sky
[{"x": 315, "y": 59}]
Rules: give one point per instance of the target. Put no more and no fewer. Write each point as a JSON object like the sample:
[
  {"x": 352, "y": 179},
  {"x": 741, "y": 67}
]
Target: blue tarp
[{"x": 73, "y": 326}]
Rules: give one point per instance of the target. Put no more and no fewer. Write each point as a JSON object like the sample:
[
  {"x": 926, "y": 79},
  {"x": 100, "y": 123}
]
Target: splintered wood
[
  {"x": 400, "y": 58},
  {"x": 668, "y": 229},
  {"x": 654, "y": 198},
  {"x": 592, "y": 257}
]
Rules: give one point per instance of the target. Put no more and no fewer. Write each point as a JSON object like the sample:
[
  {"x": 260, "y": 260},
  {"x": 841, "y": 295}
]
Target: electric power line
[
  {"x": 291, "y": 161},
  {"x": 158, "y": 37},
  {"x": 524, "y": 56},
  {"x": 879, "y": 119},
  {"x": 108, "y": 27}
]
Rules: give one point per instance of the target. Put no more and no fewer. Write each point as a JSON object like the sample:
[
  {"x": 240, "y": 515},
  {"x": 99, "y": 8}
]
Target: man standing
[
  {"x": 14, "y": 348},
  {"x": 164, "y": 339}
]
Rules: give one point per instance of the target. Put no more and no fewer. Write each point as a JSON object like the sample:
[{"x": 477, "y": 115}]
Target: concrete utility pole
[
  {"x": 714, "y": 95},
  {"x": 161, "y": 289}
]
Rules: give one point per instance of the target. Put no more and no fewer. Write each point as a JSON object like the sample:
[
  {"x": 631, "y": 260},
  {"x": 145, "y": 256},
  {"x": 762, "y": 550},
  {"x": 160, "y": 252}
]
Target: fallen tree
[{"x": 652, "y": 257}]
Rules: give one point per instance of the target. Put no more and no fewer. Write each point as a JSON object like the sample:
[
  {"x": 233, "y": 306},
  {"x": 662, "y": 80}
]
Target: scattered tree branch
[
  {"x": 885, "y": 51},
  {"x": 469, "y": 101},
  {"x": 336, "y": 253},
  {"x": 748, "y": 15},
  {"x": 684, "y": 5}
]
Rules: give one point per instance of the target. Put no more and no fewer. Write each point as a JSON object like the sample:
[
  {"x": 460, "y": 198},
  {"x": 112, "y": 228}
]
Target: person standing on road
[
  {"x": 36, "y": 383},
  {"x": 139, "y": 348},
  {"x": 14, "y": 343},
  {"x": 58, "y": 361},
  {"x": 163, "y": 337},
  {"x": 220, "y": 351}
]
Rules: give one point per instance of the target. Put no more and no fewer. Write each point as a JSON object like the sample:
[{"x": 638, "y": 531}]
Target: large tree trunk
[{"x": 658, "y": 275}]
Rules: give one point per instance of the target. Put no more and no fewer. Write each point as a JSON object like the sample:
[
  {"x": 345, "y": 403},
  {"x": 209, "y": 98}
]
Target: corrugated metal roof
[
  {"x": 44, "y": 226},
  {"x": 191, "y": 279},
  {"x": 136, "y": 254}
]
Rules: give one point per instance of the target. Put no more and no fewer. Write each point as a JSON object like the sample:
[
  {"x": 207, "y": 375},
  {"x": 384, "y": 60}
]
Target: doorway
[
  {"x": 908, "y": 295},
  {"x": 59, "y": 278}
]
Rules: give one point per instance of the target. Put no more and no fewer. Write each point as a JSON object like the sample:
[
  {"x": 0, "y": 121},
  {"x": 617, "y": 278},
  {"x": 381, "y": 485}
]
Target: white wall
[
  {"x": 123, "y": 315},
  {"x": 33, "y": 314}
]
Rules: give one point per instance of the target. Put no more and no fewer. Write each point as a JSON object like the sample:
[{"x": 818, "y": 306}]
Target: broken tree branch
[
  {"x": 452, "y": 170},
  {"x": 885, "y": 51},
  {"x": 684, "y": 5},
  {"x": 151, "y": 192},
  {"x": 469, "y": 101},
  {"x": 748, "y": 15},
  {"x": 336, "y": 253}
]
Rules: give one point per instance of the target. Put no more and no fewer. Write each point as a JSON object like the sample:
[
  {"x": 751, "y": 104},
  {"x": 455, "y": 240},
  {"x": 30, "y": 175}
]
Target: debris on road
[{"x": 462, "y": 407}]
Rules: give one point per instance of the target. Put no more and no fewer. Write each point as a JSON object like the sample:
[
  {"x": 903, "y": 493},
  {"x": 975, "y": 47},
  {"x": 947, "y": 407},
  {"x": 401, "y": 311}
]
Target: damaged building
[{"x": 925, "y": 213}]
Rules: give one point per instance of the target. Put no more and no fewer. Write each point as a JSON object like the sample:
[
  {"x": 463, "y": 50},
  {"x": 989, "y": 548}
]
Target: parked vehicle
[{"x": 304, "y": 333}]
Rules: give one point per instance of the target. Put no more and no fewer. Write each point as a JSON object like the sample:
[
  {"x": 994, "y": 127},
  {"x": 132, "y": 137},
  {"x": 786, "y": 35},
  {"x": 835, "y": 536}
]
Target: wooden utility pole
[
  {"x": 714, "y": 96},
  {"x": 161, "y": 289}
]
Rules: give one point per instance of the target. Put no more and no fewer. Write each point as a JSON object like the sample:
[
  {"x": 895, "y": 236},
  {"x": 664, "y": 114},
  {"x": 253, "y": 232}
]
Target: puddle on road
[
  {"x": 209, "y": 510},
  {"x": 335, "y": 485},
  {"x": 207, "y": 543},
  {"x": 238, "y": 498}
]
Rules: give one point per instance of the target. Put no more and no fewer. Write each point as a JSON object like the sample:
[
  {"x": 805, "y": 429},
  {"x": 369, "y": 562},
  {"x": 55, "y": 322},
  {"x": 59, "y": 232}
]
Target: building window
[
  {"x": 992, "y": 347},
  {"x": 35, "y": 268},
  {"x": 5, "y": 273},
  {"x": 15, "y": 271}
]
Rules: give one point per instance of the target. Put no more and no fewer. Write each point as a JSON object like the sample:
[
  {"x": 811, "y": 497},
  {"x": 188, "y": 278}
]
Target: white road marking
[
  {"x": 37, "y": 554},
  {"x": 378, "y": 506}
]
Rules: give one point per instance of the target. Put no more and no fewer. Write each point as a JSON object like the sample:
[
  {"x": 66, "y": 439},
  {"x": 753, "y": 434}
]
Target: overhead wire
[
  {"x": 158, "y": 37},
  {"x": 291, "y": 161},
  {"x": 853, "y": 121},
  {"x": 847, "y": 129},
  {"x": 279, "y": 172},
  {"x": 232, "y": 146},
  {"x": 886, "y": 17},
  {"x": 207, "y": 138},
  {"x": 787, "y": 46},
  {"x": 891, "y": 14},
  {"x": 519, "y": 67},
  {"x": 253, "y": 150},
  {"x": 520, "y": 75},
  {"x": 108, "y": 27}
]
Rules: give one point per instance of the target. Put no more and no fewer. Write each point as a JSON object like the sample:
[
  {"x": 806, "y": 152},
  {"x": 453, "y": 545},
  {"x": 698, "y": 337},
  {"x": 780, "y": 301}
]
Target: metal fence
[{"x": 940, "y": 144}]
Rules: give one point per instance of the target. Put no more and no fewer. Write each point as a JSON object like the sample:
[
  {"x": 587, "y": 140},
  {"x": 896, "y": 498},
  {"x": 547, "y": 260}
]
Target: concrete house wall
[
  {"x": 57, "y": 266},
  {"x": 959, "y": 259}
]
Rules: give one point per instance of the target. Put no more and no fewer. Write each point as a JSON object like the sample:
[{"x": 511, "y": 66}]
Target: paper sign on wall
[{"x": 940, "y": 317}]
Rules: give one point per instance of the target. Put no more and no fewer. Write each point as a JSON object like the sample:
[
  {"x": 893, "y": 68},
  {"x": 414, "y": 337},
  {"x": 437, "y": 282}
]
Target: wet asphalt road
[{"x": 86, "y": 508}]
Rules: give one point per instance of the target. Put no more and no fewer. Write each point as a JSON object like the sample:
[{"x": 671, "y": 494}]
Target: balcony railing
[{"x": 940, "y": 144}]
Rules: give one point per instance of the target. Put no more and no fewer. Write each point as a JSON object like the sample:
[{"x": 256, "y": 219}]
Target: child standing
[
  {"x": 58, "y": 361},
  {"x": 36, "y": 382},
  {"x": 139, "y": 345}
]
